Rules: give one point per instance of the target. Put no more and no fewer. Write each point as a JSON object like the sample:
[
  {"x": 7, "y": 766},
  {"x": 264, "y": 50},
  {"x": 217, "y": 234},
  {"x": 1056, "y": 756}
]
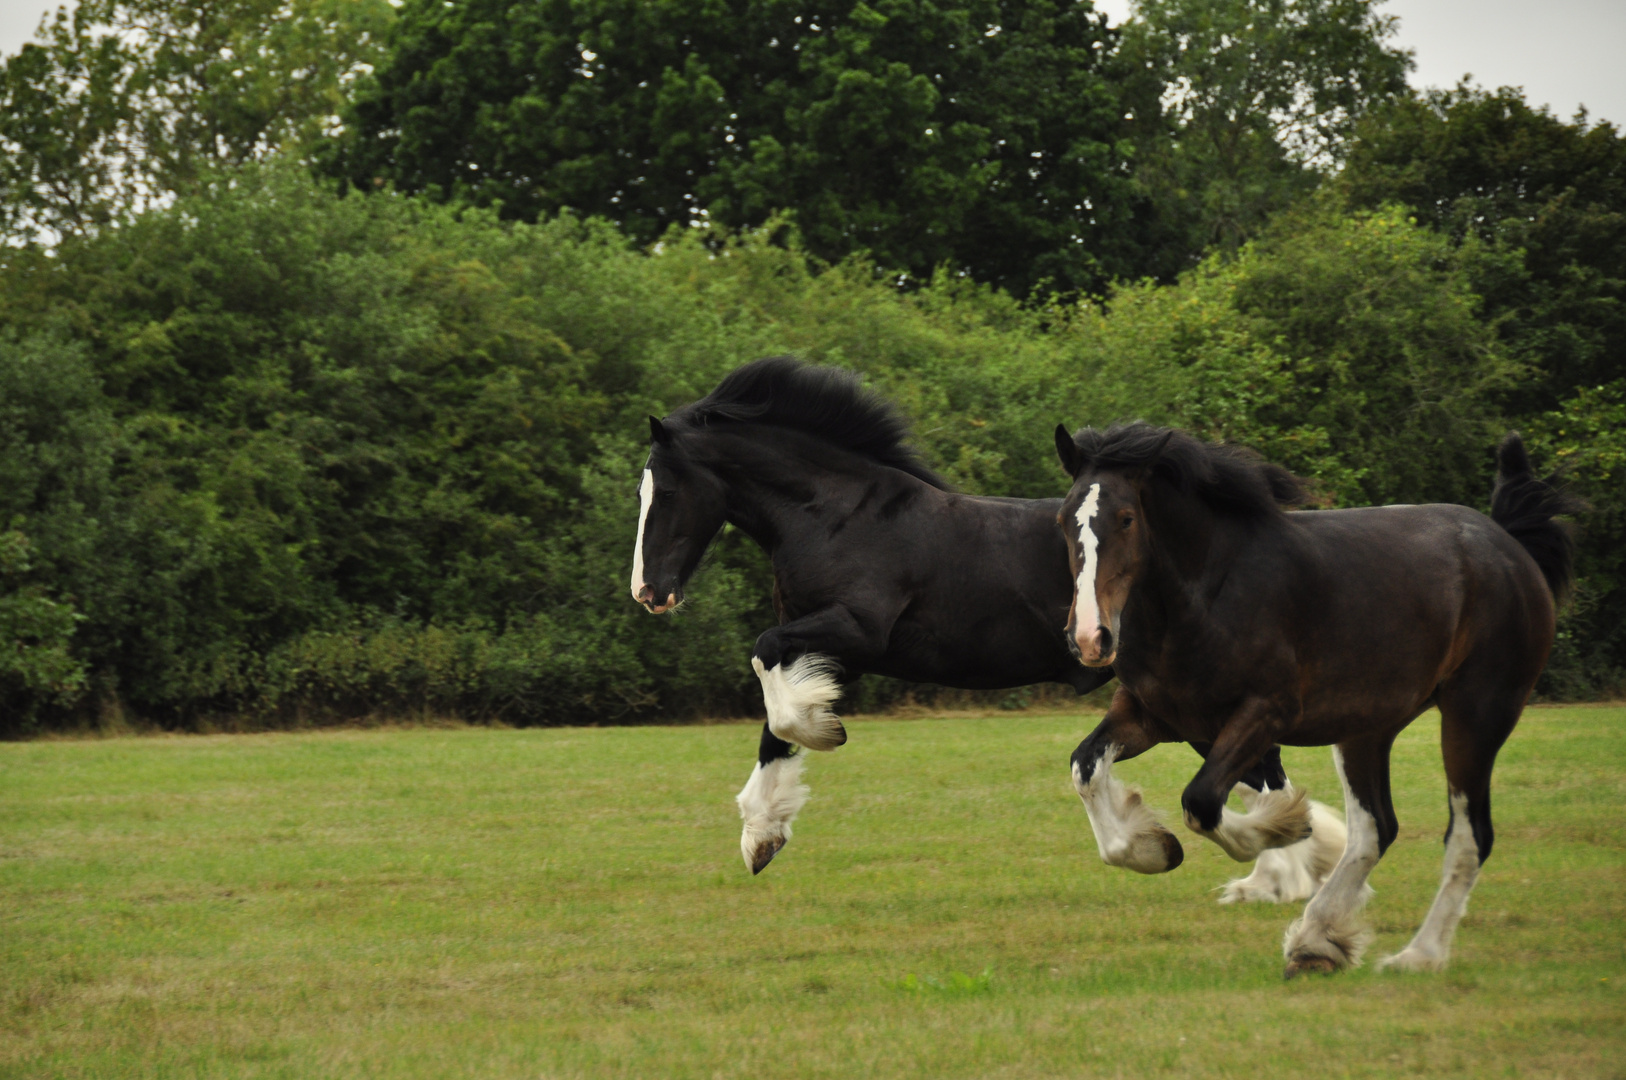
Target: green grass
[{"x": 572, "y": 903}]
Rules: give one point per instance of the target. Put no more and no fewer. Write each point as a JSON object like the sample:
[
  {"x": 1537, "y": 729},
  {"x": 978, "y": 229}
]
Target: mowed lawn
[{"x": 559, "y": 903}]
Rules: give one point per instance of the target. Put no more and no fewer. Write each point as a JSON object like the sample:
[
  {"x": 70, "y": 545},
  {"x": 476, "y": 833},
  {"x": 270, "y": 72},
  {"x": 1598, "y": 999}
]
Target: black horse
[
  {"x": 878, "y": 568},
  {"x": 1232, "y": 623}
]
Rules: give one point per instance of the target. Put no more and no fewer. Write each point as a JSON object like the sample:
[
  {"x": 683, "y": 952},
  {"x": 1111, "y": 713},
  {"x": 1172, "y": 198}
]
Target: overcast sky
[{"x": 1564, "y": 53}]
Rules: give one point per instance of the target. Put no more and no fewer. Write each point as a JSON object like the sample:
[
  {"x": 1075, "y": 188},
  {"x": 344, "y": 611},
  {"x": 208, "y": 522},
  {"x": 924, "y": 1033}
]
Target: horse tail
[{"x": 1527, "y": 507}]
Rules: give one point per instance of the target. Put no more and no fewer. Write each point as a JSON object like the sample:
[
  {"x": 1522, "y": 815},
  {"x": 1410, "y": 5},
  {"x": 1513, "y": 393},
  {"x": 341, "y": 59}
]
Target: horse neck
[
  {"x": 776, "y": 479},
  {"x": 1185, "y": 536}
]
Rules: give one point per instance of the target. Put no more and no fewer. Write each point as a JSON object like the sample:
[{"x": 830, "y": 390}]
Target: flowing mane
[
  {"x": 828, "y": 403},
  {"x": 1230, "y": 479}
]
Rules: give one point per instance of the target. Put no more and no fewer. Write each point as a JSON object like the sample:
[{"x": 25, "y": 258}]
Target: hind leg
[
  {"x": 1330, "y": 934},
  {"x": 1471, "y": 733}
]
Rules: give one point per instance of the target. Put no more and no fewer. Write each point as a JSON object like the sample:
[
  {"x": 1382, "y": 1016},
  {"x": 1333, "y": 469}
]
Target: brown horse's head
[
  {"x": 1140, "y": 490},
  {"x": 1104, "y": 523}
]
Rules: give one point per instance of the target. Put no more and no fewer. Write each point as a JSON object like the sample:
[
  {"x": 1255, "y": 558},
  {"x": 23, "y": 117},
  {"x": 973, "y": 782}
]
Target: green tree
[
  {"x": 1348, "y": 347},
  {"x": 970, "y": 133},
  {"x": 1242, "y": 105},
  {"x": 1585, "y": 440},
  {"x": 1546, "y": 198},
  {"x": 57, "y": 444},
  {"x": 1538, "y": 207},
  {"x": 37, "y": 665},
  {"x": 123, "y": 103}
]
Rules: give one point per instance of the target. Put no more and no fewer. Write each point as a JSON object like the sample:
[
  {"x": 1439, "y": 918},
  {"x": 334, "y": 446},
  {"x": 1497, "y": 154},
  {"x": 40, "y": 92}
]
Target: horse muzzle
[
  {"x": 646, "y": 597},
  {"x": 1095, "y": 648}
]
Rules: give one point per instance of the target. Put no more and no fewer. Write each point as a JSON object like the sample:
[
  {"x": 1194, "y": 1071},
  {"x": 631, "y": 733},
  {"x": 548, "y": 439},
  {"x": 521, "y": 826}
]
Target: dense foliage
[
  {"x": 1239, "y": 107},
  {"x": 273, "y": 452},
  {"x": 974, "y": 133},
  {"x": 125, "y": 102}
]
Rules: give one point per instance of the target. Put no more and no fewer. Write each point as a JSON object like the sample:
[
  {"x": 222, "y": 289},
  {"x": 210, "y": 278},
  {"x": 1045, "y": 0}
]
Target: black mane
[
  {"x": 1230, "y": 479},
  {"x": 825, "y": 402}
]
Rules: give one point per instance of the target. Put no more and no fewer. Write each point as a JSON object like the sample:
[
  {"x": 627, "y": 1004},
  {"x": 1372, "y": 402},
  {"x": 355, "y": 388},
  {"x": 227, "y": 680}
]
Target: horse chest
[{"x": 1194, "y": 708}]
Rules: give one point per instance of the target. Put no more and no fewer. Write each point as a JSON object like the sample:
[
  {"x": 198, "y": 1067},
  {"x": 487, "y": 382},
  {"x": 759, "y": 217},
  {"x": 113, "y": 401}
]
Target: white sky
[
  {"x": 18, "y": 21},
  {"x": 1564, "y": 53}
]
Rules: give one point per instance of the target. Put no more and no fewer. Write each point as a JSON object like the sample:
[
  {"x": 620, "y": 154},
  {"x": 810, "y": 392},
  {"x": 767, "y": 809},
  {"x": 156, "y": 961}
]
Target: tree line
[{"x": 327, "y": 328}]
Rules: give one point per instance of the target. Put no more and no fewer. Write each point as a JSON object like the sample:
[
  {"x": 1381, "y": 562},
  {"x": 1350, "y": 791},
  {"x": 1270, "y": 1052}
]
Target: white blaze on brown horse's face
[
  {"x": 1086, "y": 611},
  {"x": 1106, "y": 548}
]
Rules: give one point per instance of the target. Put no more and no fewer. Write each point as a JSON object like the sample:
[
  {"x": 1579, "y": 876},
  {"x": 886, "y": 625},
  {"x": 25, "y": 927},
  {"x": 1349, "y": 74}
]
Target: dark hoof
[
  {"x": 1309, "y": 965},
  {"x": 841, "y": 736},
  {"x": 1172, "y": 851},
  {"x": 764, "y": 856}
]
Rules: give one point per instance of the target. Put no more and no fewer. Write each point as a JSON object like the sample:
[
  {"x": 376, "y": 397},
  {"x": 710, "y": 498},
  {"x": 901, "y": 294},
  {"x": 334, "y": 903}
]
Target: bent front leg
[
  {"x": 1288, "y": 874},
  {"x": 770, "y": 800},
  {"x": 801, "y": 665},
  {"x": 1276, "y": 818},
  {"x": 1295, "y": 872},
  {"x": 1126, "y": 832}
]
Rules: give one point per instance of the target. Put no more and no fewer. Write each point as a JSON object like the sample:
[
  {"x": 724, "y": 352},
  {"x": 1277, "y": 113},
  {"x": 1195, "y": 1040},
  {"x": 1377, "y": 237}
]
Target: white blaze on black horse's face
[
  {"x": 641, "y": 590},
  {"x": 681, "y": 505}
]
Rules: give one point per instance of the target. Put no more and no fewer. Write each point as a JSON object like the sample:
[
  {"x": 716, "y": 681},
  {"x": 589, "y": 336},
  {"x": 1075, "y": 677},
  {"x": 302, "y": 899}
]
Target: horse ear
[
  {"x": 1067, "y": 450},
  {"x": 658, "y": 432}
]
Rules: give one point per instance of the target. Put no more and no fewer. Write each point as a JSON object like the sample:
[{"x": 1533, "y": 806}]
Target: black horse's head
[
  {"x": 1135, "y": 486},
  {"x": 681, "y": 505}
]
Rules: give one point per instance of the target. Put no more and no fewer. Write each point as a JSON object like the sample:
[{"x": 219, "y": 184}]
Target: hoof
[
  {"x": 1172, "y": 851},
  {"x": 1309, "y": 965},
  {"x": 764, "y": 855},
  {"x": 1155, "y": 851}
]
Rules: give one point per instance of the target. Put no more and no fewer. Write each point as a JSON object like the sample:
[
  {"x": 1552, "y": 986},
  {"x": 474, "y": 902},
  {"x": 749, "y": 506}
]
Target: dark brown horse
[{"x": 1236, "y": 626}]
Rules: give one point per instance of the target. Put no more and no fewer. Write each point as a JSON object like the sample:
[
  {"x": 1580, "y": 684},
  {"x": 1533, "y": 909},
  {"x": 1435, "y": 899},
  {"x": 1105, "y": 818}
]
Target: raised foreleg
[
  {"x": 1286, "y": 874},
  {"x": 770, "y": 800},
  {"x": 1126, "y": 832},
  {"x": 1276, "y": 819},
  {"x": 801, "y": 665}
]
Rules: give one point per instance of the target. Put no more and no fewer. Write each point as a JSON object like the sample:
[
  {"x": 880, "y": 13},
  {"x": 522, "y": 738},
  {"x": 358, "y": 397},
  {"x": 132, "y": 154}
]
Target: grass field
[{"x": 556, "y": 903}]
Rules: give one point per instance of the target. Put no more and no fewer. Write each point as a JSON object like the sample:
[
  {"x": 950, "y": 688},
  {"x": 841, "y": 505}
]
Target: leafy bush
[{"x": 288, "y": 456}]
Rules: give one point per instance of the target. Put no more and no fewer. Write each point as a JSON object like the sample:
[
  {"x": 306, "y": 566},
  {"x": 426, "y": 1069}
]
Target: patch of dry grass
[{"x": 557, "y": 903}]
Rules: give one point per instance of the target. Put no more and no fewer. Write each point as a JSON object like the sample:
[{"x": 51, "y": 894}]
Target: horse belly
[{"x": 988, "y": 656}]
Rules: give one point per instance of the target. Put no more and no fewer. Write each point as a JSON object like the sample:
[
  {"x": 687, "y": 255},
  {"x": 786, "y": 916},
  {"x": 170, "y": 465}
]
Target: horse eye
[{"x": 1128, "y": 520}]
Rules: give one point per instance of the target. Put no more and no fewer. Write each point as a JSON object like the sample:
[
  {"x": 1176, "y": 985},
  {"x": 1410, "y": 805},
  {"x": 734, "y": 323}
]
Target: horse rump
[{"x": 1528, "y": 508}]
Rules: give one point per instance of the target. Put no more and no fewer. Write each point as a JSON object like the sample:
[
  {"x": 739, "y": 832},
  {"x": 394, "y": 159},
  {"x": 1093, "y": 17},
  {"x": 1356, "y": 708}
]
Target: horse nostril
[{"x": 1106, "y": 641}]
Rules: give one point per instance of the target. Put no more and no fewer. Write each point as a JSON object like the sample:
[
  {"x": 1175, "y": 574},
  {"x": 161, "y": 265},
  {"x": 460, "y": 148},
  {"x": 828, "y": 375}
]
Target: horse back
[{"x": 1391, "y": 601}]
